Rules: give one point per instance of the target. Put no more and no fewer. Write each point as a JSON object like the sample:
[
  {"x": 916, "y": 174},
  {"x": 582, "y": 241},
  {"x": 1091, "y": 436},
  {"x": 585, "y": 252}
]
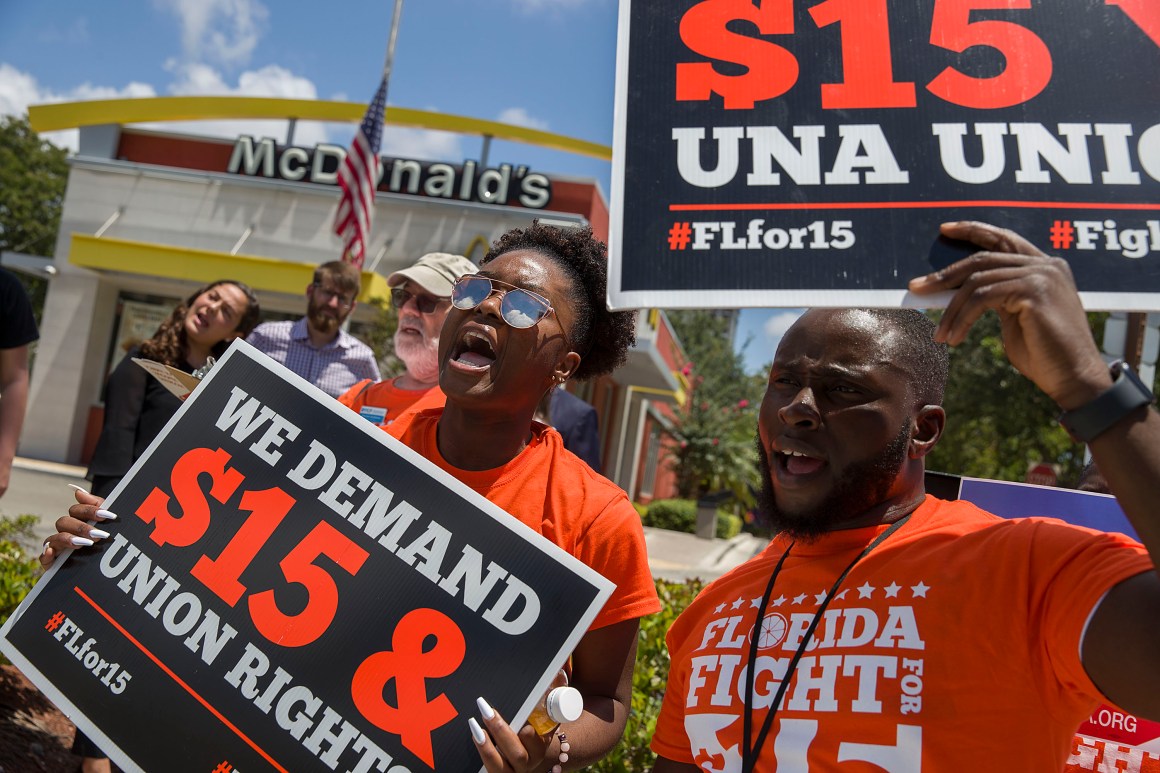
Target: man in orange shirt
[
  {"x": 422, "y": 296},
  {"x": 885, "y": 629}
]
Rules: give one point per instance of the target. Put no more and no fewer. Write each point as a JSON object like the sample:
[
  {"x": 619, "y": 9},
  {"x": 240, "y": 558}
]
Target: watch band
[{"x": 1126, "y": 394}]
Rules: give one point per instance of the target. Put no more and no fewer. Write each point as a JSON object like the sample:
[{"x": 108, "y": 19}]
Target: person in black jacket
[
  {"x": 576, "y": 421},
  {"x": 137, "y": 406}
]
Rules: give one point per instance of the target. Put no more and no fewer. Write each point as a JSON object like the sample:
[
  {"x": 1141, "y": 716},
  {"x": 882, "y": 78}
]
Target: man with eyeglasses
[
  {"x": 421, "y": 294},
  {"x": 316, "y": 347}
]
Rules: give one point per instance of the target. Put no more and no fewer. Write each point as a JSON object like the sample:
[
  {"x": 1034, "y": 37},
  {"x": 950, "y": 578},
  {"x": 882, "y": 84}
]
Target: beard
[
  {"x": 862, "y": 486},
  {"x": 419, "y": 354},
  {"x": 321, "y": 319}
]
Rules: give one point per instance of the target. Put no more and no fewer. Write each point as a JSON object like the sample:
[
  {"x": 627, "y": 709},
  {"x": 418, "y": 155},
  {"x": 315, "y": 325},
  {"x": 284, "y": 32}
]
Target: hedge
[
  {"x": 18, "y": 572},
  {"x": 681, "y": 515}
]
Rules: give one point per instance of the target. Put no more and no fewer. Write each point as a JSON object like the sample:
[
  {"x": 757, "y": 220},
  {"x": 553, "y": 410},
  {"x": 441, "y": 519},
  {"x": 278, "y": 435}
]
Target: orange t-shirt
[
  {"x": 382, "y": 402},
  {"x": 953, "y": 646},
  {"x": 553, "y": 491}
]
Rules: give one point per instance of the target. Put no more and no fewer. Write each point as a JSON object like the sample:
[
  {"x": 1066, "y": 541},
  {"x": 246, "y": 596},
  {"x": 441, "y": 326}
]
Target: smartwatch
[{"x": 1126, "y": 394}]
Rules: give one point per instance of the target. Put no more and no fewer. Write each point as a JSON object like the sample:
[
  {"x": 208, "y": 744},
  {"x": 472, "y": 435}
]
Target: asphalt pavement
[{"x": 41, "y": 488}]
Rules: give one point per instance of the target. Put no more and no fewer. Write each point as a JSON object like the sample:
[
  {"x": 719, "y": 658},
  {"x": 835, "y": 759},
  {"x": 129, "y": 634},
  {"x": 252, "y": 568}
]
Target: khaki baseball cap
[{"x": 435, "y": 272}]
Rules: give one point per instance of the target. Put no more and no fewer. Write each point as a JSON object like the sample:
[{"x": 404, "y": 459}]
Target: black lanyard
[{"x": 749, "y": 754}]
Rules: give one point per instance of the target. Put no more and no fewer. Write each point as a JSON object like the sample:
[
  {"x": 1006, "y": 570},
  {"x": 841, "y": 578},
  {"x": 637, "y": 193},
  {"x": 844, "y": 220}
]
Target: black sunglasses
[
  {"x": 425, "y": 303},
  {"x": 519, "y": 308}
]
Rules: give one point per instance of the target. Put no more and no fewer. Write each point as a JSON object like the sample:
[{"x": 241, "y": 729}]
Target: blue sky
[{"x": 547, "y": 64}]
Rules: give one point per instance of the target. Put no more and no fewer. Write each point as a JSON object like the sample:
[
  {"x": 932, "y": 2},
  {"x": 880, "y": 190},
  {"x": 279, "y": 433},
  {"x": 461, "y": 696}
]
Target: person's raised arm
[
  {"x": 1046, "y": 336},
  {"x": 13, "y": 402}
]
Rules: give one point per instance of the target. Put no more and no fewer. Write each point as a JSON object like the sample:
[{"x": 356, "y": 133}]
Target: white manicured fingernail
[
  {"x": 80, "y": 542},
  {"x": 477, "y": 733},
  {"x": 106, "y": 515},
  {"x": 98, "y": 533},
  {"x": 78, "y": 488},
  {"x": 484, "y": 709}
]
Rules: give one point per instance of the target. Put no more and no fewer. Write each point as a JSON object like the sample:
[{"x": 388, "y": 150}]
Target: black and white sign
[
  {"x": 287, "y": 588},
  {"x": 782, "y": 153}
]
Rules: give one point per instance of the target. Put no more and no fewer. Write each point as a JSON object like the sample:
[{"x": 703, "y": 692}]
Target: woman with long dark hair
[{"x": 137, "y": 406}]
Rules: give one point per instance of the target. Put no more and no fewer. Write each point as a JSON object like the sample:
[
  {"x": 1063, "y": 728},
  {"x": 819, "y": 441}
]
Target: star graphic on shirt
[
  {"x": 866, "y": 590},
  {"x": 718, "y": 609},
  {"x": 842, "y": 595},
  {"x": 799, "y": 599},
  {"x": 892, "y": 590},
  {"x": 737, "y": 604},
  {"x": 755, "y": 603},
  {"x": 777, "y": 602},
  {"x": 820, "y": 597},
  {"x": 920, "y": 589}
]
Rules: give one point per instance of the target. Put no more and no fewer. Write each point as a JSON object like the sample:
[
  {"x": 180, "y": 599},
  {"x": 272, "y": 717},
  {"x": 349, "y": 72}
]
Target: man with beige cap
[{"x": 422, "y": 296}]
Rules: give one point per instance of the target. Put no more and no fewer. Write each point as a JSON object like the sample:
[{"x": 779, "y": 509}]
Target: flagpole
[
  {"x": 398, "y": 12},
  {"x": 358, "y": 173}
]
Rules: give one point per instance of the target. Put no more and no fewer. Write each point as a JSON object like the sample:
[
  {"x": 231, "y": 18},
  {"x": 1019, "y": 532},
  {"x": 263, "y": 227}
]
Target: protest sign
[
  {"x": 1021, "y": 500},
  {"x": 779, "y": 153},
  {"x": 1112, "y": 739},
  {"x": 287, "y": 588}
]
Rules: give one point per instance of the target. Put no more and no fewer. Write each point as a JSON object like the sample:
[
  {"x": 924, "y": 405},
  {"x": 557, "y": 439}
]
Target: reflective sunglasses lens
[
  {"x": 399, "y": 297},
  {"x": 469, "y": 292},
  {"x": 521, "y": 309}
]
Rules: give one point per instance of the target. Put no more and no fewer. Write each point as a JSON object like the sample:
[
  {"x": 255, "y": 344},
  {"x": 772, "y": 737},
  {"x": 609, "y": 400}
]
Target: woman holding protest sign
[
  {"x": 533, "y": 317},
  {"x": 137, "y": 407}
]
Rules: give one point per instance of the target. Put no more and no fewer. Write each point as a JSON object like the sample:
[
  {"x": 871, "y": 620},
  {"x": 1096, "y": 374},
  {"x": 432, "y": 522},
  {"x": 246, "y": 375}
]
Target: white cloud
[
  {"x": 18, "y": 90},
  {"x": 402, "y": 142},
  {"x": 776, "y": 326},
  {"x": 224, "y": 32},
  {"x": 193, "y": 79},
  {"x": 269, "y": 81},
  {"x": 519, "y": 116}
]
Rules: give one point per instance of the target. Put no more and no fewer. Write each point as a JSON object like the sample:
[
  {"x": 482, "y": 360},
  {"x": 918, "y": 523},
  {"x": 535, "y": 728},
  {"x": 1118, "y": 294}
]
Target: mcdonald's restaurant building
[{"x": 149, "y": 216}]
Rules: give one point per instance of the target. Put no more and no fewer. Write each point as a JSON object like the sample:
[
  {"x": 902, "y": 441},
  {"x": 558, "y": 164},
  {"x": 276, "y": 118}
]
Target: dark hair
[
  {"x": 169, "y": 345},
  {"x": 345, "y": 276},
  {"x": 601, "y": 337},
  {"x": 928, "y": 362}
]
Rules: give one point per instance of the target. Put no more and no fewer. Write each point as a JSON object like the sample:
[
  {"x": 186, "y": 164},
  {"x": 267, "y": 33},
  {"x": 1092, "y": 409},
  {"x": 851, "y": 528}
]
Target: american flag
[{"x": 358, "y": 177}]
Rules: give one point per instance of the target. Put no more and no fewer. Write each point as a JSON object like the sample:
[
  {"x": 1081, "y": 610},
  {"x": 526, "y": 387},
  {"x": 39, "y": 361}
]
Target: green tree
[
  {"x": 33, "y": 174},
  {"x": 998, "y": 422},
  {"x": 715, "y": 427}
]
